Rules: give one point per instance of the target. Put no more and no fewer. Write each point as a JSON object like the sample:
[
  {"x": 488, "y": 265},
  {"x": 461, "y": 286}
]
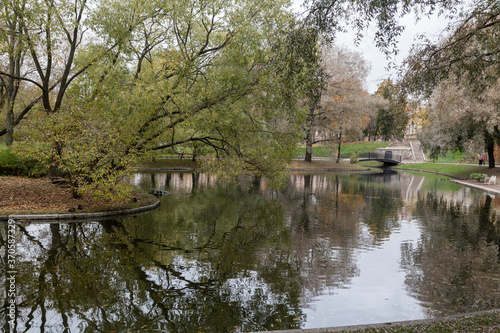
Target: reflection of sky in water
[
  {"x": 376, "y": 289},
  {"x": 326, "y": 251},
  {"x": 376, "y": 294}
]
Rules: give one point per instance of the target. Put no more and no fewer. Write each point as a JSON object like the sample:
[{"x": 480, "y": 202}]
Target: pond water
[{"x": 328, "y": 250}]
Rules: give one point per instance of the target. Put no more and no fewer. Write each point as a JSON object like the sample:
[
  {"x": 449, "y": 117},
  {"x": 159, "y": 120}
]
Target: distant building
[{"x": 417, "y": 116}]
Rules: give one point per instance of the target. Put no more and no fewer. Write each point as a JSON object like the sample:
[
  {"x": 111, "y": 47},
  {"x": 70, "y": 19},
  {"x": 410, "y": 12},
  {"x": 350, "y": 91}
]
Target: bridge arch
[{"x": 387, "y": 157}]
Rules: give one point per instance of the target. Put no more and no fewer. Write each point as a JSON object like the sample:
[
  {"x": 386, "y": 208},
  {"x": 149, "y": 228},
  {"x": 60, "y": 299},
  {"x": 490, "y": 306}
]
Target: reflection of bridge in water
[{"x": 387, "y": 157}]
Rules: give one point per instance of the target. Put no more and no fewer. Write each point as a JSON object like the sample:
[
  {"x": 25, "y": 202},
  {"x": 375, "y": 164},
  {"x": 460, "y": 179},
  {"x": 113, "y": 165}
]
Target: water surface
[{"x": 329, "y": 250}]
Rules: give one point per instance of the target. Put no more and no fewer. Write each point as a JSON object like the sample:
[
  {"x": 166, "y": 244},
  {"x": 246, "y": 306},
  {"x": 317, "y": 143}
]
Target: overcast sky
[{"x": 432, "y": 27}]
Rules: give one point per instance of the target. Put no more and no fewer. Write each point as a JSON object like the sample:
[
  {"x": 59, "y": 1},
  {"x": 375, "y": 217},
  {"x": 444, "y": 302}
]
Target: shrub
[
  {"x": 12, "y": 164},
  {"x": 354, "y": 158},
  {"x": 478, "y": 176}
]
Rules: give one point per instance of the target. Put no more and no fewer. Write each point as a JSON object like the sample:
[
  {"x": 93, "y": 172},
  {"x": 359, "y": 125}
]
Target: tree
[
  {"x": 371, "y": 130},
  {"x": 345, "y": 106},
  {"x": 458, "y": 120},
  {"x": 11, "y": 46},
  {"x": 331, "y": 16},
  {"x": 168, "y": 74},
  {"x": 392, "y": 117},
  {"x": 50, "y": 32},
  {"x": 304, "y": 66},
  {"x": 463, "y": 65},
  {"x": 470, "y": 51}
]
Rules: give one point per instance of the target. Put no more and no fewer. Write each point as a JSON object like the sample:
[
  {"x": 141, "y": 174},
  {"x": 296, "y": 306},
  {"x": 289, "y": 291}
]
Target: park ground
[{"x": 23, "y": 195}]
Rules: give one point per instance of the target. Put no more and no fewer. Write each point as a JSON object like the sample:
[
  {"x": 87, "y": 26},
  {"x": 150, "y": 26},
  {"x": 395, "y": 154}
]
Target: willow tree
[
  {"x": 163, "y": 74},
  {"x": 464, "y": 65},
  {"x": 305, "y": 72}
]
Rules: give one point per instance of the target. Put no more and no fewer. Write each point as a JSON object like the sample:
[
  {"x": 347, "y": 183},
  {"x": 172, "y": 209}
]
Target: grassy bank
[
  {"x": 455, "y": 170},
  {"x": 456, "y": 157},
  {"x": 325, "y": 165},
  {"x": 169, "y": 163},
  {"x": 462, "y": 171}
]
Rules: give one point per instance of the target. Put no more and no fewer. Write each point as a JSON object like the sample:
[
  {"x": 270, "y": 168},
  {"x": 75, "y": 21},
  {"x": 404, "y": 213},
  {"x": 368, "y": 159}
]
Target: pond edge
[
  {"x": 478, "y": 186},
  {"x": 386, "y": 325},
  {"x": 73, "y": 216}
]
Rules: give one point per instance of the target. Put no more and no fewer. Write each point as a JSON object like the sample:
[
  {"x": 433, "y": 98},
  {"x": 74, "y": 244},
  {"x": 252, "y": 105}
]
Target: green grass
[
  {"x": 322, "y": 165},
  {"x": 169, "y": 163},
  {"x": 455, "y": 156},
  {"x": 456, "y": 170},
  {"x": 346, "y": 149},
  {"x": 318, "y": 151},
  {"x": 371, "y": 164}
]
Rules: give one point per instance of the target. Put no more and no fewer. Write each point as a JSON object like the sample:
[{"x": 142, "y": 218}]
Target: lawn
[
  {"x": 456, "y": 156},
  {"x": 169, "y": 163},
  {"x": 456, "y": 170}
]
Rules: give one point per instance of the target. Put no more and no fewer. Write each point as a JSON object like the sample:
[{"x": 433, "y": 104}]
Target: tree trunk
[
  {"x": 54, "y": 170},
  {"x": 309, "y": 135},
  {"x": 309, "y": 143},
  {"x": 12, "y": 90},
  {"x": 491, "y": 157},
  {"x": 339, "y": 144},
  {"x": 490, "y": 147},
  {"x": 9, "y": 135},
  {"x": 16, "y": 53}
]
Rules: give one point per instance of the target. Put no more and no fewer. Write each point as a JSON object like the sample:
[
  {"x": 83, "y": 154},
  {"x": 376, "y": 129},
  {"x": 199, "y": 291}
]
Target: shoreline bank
[{"x": 420, "y": 325}]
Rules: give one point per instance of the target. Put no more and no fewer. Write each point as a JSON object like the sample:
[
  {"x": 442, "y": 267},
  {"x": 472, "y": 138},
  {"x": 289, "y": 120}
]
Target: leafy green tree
[
  {"x": 12, "y": 55},
  {"x": 332, "y": 16},
  {"x": 461, "y": 73},
  {"x": 165, "y": 75},
  {"x": 392, "y": 117},
  {"x": 305, "y": 72}
]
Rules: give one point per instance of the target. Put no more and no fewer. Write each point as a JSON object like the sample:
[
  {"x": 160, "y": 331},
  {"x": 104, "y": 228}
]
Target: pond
[{"x": 328, "y": 250}]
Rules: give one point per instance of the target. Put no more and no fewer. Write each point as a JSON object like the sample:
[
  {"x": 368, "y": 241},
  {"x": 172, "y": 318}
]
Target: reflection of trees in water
[
  {"x": 215, "y": 250},
  {"x": 179, "y": 181},
  {"x": 165, "y": 272},
  {"x": 321, "y": 235},
  {"x": 327, "y": 215},
  {"x": 455, "y": 266},
  {"x": 218, "y": 257},
  {"x": 384, "y": 202}
]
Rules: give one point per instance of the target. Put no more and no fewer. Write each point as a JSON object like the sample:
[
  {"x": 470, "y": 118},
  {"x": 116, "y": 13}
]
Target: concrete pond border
[
  {"x": 73, "y": 217},
  {"x": 392, "y": 324}
]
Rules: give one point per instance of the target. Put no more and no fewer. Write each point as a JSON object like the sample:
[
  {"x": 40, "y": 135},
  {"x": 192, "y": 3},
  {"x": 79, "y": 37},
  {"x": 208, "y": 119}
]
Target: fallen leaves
[{"x": 20, "y": 194}]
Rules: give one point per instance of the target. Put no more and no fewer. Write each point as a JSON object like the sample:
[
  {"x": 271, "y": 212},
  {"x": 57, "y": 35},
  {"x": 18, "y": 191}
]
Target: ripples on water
[{"x": 328, "y": 250}]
